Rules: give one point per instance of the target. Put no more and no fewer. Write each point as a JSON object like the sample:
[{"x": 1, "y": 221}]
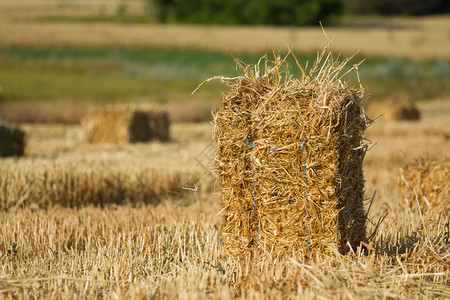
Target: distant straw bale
[
  {"x": 12, "y": 141},
  {"x": 125, "y": 125},
  {"x": 394, "y": 110},
  {"x": 426, "y": 181},
  {"x": 289, "y": 160}
]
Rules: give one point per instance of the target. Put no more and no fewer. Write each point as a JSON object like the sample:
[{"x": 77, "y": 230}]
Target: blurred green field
[
  {"x": 58, "y": 58},
  {"x": 170, "y": 75},
  {"x": 104, "y": 75}
]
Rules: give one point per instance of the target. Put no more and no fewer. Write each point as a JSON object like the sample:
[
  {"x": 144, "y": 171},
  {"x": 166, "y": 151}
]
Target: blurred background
[{"x": 58, "y": 57}]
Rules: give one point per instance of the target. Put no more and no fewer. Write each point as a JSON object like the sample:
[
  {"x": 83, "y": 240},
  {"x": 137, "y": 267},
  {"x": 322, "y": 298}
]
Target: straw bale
[
  {"x": 428, "y": 181},
  {"x": 263, "y": 188},
  {"x": 12, "y": 141},
  {"x": 125, "y": 125},
  {"x": 394, "y": 110}
]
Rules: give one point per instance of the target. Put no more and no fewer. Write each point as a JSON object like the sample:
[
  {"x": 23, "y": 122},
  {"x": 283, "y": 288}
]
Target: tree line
[{"x": 285, "y": 12}]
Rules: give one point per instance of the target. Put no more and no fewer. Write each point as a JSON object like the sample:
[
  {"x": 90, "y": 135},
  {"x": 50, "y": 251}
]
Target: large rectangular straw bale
[
  {"x": 12, "y": 141},
  {"x": 280, "y": 140},
  {"x": 426, "y": 181},
  {"x": 125, "y": 125}
]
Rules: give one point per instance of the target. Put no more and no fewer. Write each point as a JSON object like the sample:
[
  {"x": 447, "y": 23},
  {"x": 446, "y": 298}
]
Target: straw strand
[
  {"x": 254, "y": 191},
  {"x": 306, "y": 199},
  {"x": 254, "y": 195}
]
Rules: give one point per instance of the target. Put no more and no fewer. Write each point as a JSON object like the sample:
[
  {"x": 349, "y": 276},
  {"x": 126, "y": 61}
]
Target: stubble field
[
  {"x": 167, "y": 243},
  {"x": 142, "y": 221}
]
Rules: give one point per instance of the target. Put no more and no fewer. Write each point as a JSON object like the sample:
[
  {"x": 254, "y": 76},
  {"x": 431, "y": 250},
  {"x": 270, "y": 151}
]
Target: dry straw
[
  {"x": 12, "y": 141},
  {"x": 426, "y": 182},
  {"x": 27, "y": 183},
  {"x": 289, "y": 159},
  {"x": 125, "y": 124}
]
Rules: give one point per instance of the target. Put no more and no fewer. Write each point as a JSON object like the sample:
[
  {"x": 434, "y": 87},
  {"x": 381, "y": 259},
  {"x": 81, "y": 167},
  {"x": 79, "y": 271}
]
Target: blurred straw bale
[
  {"x": 126, "y": 124},
  {"x": 394, "y": 109}
]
